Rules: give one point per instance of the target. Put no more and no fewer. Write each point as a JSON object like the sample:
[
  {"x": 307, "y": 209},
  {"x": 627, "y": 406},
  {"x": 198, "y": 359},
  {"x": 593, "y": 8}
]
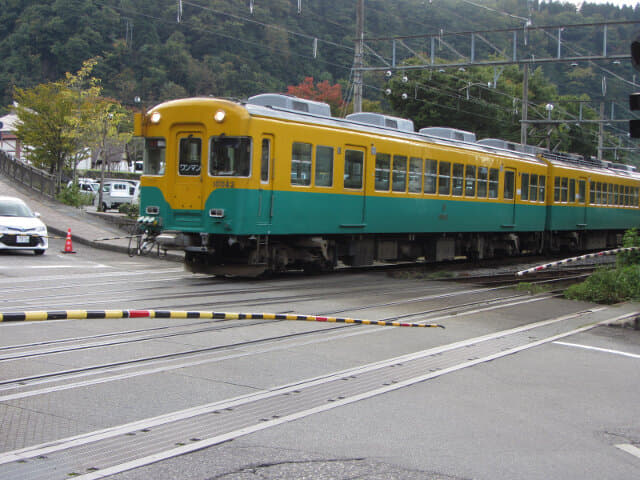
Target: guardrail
[{"x": 27, "y": 175}]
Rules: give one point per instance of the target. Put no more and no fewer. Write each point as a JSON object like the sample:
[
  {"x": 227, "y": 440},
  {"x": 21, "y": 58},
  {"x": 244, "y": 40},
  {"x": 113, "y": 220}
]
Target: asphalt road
[{"x": 565, "y": 407}]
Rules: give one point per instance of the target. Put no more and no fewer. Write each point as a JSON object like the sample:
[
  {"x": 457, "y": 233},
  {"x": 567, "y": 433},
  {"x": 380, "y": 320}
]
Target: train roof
[
  {"x": 284, "y": 113},
  {"x": 288, "y": 107},
  {"x": 592, "y": 165}
]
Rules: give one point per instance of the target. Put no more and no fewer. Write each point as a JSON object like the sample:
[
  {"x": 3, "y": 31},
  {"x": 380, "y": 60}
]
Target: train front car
[{"x": 199, "y": 180}]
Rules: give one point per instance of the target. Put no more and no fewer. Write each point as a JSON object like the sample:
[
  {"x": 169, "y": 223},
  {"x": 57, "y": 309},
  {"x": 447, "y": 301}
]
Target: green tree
[
  {"x": 58, "y": 121},
  {"x": 44, "y": 125},
  {"x": 97, "y": 121}
]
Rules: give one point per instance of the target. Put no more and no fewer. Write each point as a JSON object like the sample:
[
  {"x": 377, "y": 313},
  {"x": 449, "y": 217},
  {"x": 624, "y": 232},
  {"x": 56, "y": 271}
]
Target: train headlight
[
  {"x": 219, "y": 116},
  {"x": 155, "y": 118}
]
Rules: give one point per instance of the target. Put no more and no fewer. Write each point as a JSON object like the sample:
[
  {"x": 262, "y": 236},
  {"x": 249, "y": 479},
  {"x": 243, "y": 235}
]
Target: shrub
[
  {"x": 630, "y": 239},
  {"x": 608, "y": 285},
  {"x": 130, "y": 209},
  {"x": 74, "y": 196}
]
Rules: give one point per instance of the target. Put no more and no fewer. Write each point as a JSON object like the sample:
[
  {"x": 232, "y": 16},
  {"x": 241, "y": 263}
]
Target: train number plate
[{"x": 22, "y": 239}]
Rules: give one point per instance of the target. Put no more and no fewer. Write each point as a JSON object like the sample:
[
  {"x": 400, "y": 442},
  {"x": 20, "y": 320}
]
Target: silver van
[{"x": 117, "y": 192}]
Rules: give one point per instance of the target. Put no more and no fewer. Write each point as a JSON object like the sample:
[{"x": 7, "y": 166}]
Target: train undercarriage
[{"x": 255, "y": 255}]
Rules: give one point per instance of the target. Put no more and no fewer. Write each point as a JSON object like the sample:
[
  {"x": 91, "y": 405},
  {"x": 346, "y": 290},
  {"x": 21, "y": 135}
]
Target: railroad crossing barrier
[
  {"x": 575, "y": 259},
  {"x": 30, "y": 316}
]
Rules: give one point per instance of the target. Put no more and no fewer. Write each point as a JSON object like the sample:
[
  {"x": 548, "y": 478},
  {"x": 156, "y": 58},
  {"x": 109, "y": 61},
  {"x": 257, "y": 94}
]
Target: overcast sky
[{"x": 618, "y": 3}]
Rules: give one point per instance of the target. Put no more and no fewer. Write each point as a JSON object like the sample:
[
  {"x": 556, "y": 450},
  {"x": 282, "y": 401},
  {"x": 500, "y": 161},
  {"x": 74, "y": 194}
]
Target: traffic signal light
[{"x": 634, "y": 98}]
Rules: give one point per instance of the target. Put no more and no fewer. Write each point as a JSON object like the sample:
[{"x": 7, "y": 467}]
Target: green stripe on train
[{"x": 249, "y": 212}]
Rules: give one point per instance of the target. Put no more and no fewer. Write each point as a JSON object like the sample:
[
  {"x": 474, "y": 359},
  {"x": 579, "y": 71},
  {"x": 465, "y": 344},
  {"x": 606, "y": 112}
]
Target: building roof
[{"x": 8, "y": 123}]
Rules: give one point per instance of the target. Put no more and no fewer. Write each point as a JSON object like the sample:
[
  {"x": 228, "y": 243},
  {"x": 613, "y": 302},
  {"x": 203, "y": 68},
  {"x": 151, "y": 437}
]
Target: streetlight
[{"x": 549, "y": 108}]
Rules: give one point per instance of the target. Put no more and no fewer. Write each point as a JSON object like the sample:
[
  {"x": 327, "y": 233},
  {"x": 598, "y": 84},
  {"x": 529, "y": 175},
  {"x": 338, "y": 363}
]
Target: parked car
[
  {"x": 20, "y": 228},
  {"x": 87, "y": 186},
  {"x": 117, "y": 192}
]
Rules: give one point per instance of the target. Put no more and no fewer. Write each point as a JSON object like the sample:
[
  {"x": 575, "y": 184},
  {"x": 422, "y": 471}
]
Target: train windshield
[
  {"x": 230, "y": 156},
  {"x": 154, "y": 156}
]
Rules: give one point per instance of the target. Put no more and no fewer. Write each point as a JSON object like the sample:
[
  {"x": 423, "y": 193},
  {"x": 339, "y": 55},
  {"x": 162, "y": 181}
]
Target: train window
[
  {"x": 598, "y": 193},
  {"x": 430, "y": 175},
  {"x": 564, "y": 189},
  {"x": 556, "y": 189},
  {"x": 509, "y": 184},
  {"x": 616, "y": 194},
  {"x": 627, "y": 196},
  {"x": 494, "y": 176},
  {"x": 415, "y": 175},
  {"x": 610, "y": 201},
  {"x": 483, "y": 177},
  {"x": 582, "y": 191},
  {"x": 353, "y": 166},
  {"x": 230, "y": 156},
  {"x": 592, "y": 193},
  {"x": 264, "y": 160},
  {"x": 301, "y": 163},
  {"x": 324, "y": 166},
  {"x": 383, "y": 168},
  {"x": 524, "y": 187},
  {"x": 154, "y": 156},
  {"x": 542, "y": 182},
  {"x": 470, "y": 181},
  {"x": 457, "y": 179},
  {"x": 533, "y": 188},
  {"x": 190, "y": 157},
  {"x": 572, "y": 190},
  {"x": 444, "y": 178},
  {"x": 399, "y": 179}
]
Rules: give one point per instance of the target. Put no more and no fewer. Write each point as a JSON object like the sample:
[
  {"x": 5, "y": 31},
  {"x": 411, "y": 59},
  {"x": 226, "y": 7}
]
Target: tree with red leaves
[{"x": 321, "y": 91}]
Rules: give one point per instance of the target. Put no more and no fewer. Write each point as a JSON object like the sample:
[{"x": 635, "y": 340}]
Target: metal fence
[{"x": 27, "y": 175}]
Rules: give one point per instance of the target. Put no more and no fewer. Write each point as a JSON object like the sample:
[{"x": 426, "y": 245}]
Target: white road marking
[
  {"x": 62, "y": 444},
  {"x": 598, "y": 349},
  {"x": 173, "y": 366},
  {"x": 36, "y": 267},
  {"x": 627, "y": 447}
]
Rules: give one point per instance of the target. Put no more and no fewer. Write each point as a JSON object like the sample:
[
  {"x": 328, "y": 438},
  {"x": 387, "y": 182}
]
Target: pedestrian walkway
[{"x": 86, "y": 228}]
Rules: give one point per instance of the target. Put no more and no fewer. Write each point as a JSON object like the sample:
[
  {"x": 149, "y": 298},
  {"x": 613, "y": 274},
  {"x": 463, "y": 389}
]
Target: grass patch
[
  {"x": 422, "y": 275},
  {"x": 613, "y": 285},
  {"x": 608, "y": 285},
  {"x": 533, "y": 288}
]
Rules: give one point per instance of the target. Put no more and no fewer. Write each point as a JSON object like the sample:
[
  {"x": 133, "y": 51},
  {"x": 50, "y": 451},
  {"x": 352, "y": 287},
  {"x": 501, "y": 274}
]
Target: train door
[
  {"x": 510, "y": 194},
  {"x": 582, "y": 202},
  {"x": 353, "y": 216},
  {"x": 187, "y": 190},
  {"x": 265, "y": 195}
]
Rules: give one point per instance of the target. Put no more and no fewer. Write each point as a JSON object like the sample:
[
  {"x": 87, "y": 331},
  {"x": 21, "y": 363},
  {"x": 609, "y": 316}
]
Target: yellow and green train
[{"x": 277, "y": 183}]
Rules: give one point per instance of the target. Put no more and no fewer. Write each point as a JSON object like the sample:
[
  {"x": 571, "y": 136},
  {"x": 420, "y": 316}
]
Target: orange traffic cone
[{"x": 68, "y": 247}]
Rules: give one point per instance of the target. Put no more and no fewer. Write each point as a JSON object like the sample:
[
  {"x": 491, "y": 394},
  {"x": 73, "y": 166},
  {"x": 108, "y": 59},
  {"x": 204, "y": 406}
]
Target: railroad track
[
  {"x": 10, "y": 388},
  {"x": 116, "y": 449}
]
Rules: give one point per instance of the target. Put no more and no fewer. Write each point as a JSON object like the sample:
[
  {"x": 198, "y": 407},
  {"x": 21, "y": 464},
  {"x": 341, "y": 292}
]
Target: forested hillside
[{"x": 164, "y": 49}]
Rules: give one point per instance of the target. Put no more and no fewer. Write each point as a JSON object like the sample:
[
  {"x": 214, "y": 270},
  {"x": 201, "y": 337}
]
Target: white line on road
[
  {"x": 598, "y": 349},
  {"x": 627, "y": 447},
  {"x": 83, "y": 439}
]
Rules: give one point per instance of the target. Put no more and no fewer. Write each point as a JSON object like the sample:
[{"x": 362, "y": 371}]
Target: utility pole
[
  {"x": 358, "y": 62},
  {"x": 601, "y": 131},
  {"x": 525, "y": 104}
]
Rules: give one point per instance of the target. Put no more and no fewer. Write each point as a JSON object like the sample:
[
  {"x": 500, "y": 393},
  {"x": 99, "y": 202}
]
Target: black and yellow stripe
[{"x": 31, "y": 316}]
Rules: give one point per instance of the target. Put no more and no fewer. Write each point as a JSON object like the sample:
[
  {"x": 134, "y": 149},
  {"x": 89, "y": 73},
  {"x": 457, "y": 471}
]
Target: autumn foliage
[{"x": 321, "y": 91}]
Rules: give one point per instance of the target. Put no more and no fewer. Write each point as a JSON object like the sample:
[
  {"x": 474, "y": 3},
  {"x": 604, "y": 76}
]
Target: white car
[{"x": 20, "y": 228}]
